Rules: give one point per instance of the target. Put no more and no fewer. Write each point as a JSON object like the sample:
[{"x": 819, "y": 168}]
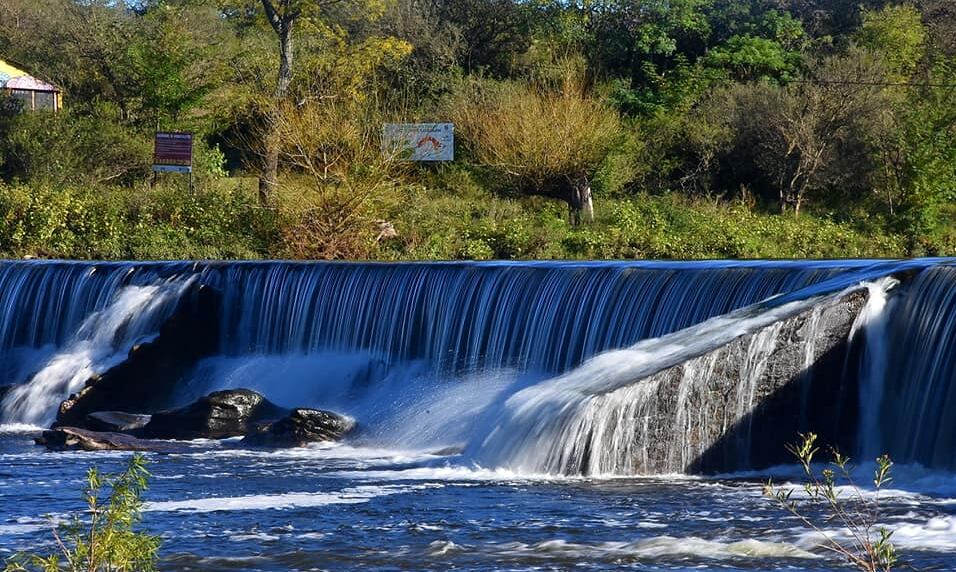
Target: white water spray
[
  {"x": 102, "y": 341},
  {"x": 872, "y": 323},
  {"x": 611, "y": 417}
]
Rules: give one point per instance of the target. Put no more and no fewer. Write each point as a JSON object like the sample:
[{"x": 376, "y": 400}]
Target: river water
[
  {"x": 345, "y": 508},
  {"x": 450, "y": 371}
]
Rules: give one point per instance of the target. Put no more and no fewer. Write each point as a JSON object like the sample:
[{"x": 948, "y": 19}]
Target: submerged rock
[
  {"x": 116, "y": 421},
  {"x": 75, "y": 439},
  {"x": 144, "y": 381},
  {"x": 299, "y": 428},
  {"x": 219, "y": 415}
]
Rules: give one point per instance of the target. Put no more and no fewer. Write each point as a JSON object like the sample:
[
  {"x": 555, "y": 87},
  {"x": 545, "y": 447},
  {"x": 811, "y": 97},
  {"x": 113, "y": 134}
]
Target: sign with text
[
  {"x": 420, "y": 141},
  {"x": 173, "y": 152}
]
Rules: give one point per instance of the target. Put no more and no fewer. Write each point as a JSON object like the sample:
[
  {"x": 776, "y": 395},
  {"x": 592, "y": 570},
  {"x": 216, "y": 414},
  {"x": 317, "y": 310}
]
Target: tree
[
  {"x": 790, "y": 138},
  {"x": 541, "y": 141},
  {"x": 898, "y": 35},
  {"x": 493, "y": 32},
  {"x": 284, "y": 17},
  {"x": 916, "y": 149}
]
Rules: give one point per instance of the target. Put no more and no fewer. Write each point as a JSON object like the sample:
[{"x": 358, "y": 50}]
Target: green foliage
[
  {"x": 217, "y": 220},
  {"x": 467, "y": 222},
  {"x": 694, "y": 118},
  {"x": 86, "y": 148},
  {"x": 535, "y": 138},
  {"x": 898, "y": 35},
  {"x": 869, "y": 548},
  {"x": 104, "y": 539}
]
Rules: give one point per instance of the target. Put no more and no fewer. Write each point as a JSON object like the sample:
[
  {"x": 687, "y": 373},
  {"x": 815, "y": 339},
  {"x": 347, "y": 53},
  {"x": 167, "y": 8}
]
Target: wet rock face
[
  {"x": 145, "y": 380},
  {"x": 116, "y": 421},
  {"x": 299, "y": 428},
  {"x": 219, "y": 415},
  {"x": 735, "y": 407},
  {"x": 75, "y": 439}
]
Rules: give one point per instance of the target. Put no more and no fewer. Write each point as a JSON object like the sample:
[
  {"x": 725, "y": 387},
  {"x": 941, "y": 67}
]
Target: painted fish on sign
[{"x": 420, "y": 142}]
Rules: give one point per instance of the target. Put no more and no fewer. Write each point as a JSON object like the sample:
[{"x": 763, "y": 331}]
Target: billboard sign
[
  {"x": 424, "y": 142},
  {"x": 173, "y": 152}
]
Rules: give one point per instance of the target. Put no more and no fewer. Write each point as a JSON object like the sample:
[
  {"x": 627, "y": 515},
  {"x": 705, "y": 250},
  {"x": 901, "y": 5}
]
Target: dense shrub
[
  {"x": 537, "y": 140},
  {"x": 165, "y": 222}
]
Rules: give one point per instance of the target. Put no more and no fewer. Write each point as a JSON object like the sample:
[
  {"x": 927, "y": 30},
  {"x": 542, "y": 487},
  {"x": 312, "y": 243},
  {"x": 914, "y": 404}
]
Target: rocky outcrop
[
  {"x": 219, "y": 415},
  {"x": 732, "y": 404},
  {"x": 116, "y": 421},
  {"x": 147, "y": 377},
  {"x": 738, "y": 406},
  {"x": 299, "y": 428},
  {"x": 75, "y": 439}
]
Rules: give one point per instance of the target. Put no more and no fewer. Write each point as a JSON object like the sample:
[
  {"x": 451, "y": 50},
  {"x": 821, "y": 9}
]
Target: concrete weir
[{"x": 722, "y": 396}]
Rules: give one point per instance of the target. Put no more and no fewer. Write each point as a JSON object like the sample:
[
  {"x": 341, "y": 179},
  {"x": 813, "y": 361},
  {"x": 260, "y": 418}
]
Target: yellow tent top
[{"x": 15, "y": 78}]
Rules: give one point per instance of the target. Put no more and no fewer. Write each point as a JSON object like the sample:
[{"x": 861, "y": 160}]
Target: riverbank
[{"x": 456, "y": 220}]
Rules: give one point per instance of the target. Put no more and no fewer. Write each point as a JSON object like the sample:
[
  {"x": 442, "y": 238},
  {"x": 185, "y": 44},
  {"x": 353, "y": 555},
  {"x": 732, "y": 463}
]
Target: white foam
[
  {"x": 103, "y": 340},
  {"x": 443, "y": 548},
  {"x": 353, "y": 495},
  {"x": 19, "y": 428},
  {"x": 937, "y": 534},
  {"x": 21, "y": 529},
  {"x": 660, "y": 547}
]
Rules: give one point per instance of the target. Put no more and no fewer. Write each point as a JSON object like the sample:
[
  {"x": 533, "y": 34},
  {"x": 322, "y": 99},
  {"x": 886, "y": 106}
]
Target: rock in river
[
  {"x": 145, "y": 380},
  {"x": 72, "y": 438},
  {"x": 116, "y": 421},
  {"x": 299, "y": 428},
  {"x": 219, "y": 415}
]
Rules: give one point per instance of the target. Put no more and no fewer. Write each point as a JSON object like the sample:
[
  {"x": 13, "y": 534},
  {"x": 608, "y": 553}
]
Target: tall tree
[{"x": 285, "y": 16}]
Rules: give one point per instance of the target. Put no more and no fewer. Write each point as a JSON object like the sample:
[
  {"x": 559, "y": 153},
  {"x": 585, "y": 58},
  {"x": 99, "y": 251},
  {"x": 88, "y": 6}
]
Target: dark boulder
[
  {"x": 219, "y": 415},
  {"x": 145, "y": 380},
  {"x": 116, "y": 421},
  {"x": 75, "y": 439},
  {"x": 299, "y": 428}
]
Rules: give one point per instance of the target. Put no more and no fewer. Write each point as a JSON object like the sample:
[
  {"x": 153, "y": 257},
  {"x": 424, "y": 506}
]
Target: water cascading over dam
[{"x": 591, "y": 368}]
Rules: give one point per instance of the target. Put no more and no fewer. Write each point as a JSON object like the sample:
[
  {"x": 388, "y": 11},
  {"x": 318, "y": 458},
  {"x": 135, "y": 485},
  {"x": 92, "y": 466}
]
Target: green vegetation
[
  {"x": 868, "y": 547},
  {"x": 627, "y": 128},
  {"x": 103, "y": 539}
]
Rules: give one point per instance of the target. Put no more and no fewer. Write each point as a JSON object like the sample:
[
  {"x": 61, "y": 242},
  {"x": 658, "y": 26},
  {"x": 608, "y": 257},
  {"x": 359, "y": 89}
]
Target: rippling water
[
  {"x": 338, "y": 507},
  {"x": 421, "y": 355}
]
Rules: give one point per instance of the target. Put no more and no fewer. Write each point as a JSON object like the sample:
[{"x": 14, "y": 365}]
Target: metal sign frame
[{"x": 173, "y": 152}]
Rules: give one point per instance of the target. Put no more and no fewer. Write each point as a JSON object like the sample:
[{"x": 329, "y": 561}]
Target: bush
[
  {"x": 536, "y": 140},
  {"x": 169, "y": 221},
  {"x": 103, "y": 539},
  {"x": 869, "y": 548},
  {"x": 60, "y": 148}
]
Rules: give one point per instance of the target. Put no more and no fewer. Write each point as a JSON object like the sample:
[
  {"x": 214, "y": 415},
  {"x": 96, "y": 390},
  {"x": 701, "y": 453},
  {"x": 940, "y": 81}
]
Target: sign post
[
  {"x": 173, "y": 153},
  {"x": 420, "y": 142}
]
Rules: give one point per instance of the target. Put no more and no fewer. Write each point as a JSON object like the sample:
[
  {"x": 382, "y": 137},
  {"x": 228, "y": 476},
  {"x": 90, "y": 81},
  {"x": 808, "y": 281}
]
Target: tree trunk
[
  {"x": 283, "y": 26},
  {"x": 580, "y": 202}
]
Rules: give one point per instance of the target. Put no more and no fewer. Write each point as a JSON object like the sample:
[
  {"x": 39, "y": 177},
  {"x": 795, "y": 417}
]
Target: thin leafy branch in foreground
[
  {"x": 103, "y": 539},
  {"x": 869, "y": 547}
]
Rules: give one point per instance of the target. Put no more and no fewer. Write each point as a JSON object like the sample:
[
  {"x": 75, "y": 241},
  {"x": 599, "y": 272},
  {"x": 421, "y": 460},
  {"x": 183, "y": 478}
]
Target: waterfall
[
  {"x": 103, "y": 339},
  {"x": 872, "y": 324},
  {"x": 652, "y": 408},
  {"x": 917, "y": 413},
  {"x": 466, "y": 317},
  {"x": 534, "y": 365}
]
